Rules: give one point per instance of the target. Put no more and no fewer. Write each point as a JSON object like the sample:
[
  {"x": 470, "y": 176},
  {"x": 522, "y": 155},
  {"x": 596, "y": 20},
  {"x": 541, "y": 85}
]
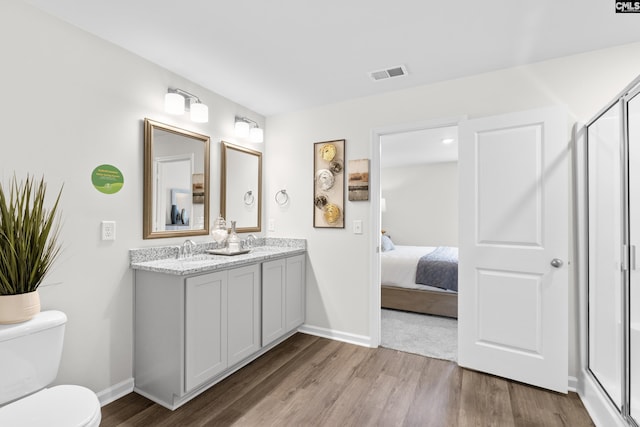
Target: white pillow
[{"x": 387, "y": 244}]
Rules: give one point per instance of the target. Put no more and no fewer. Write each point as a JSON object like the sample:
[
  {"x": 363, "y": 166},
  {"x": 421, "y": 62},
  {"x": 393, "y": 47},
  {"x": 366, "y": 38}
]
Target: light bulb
[
  {"x": 174, "y": 103},
  {"x": 256, "y": 135},
  {"x": 199, "y": 112},
  {"x": 242, "y": 129}
]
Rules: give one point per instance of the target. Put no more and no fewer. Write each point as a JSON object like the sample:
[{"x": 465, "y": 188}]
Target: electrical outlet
[
  {"x": 108, "y": 230},
  {"x": 272, "y": 224}
]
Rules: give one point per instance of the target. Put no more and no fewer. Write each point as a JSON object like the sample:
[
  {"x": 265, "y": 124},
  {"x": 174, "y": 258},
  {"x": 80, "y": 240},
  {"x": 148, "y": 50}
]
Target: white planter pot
[{"x": 19, "y": 308}]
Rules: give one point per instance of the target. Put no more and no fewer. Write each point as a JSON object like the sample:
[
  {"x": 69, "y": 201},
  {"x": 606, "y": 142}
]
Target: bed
[{"x": 399, "y": 271}]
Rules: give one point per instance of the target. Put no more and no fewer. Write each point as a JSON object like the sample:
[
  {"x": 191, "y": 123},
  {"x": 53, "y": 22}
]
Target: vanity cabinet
[
  {"x": 192, "y": 331},
  {"x": 283, "y": 297}
]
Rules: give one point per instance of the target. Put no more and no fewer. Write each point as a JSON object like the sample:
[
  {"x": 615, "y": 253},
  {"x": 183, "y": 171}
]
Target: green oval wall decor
[{"x": 107, "y": 179}]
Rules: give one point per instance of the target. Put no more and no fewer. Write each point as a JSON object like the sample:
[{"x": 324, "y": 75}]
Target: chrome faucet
[
  {"x": 186, "y": 251},
  {"x": 249, "y": 241}
]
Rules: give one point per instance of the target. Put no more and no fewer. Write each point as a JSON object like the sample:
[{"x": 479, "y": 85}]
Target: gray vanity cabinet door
[
  {"x": 205, "y": 328},
  {"x": 243, "y": 309},
  {"x": 295, "y": 292},
  {"x": 273, "y": 288}
]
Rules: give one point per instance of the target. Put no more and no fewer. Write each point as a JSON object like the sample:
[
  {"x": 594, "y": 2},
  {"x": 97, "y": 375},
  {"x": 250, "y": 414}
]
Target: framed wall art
[
  {"x": 197, "y": 183},
  {"x": 328, "y": 187},
  {"x": 358, "y": 180}
]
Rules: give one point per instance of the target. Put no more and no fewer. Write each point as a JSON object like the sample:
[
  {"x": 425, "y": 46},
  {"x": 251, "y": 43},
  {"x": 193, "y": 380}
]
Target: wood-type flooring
[{"x": 312, "y": 381}]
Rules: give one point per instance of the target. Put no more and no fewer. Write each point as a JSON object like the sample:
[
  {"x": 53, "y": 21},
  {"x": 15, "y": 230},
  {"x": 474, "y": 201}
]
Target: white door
[{"x": 513, "y": 277}]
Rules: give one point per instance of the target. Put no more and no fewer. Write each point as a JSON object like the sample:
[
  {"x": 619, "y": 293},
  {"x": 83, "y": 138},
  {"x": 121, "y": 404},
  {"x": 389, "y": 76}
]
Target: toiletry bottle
[{"x": 233, "y": 239}]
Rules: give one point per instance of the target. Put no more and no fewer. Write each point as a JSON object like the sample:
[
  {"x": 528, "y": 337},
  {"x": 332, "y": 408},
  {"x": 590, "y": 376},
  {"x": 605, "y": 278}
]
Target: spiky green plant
[{"x": 28, "y": 236}]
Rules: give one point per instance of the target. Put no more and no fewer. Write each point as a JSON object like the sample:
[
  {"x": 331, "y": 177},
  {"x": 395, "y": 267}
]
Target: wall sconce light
[
  {"x": 177, "y": 101},
  {"x": 245, "y": 127}
]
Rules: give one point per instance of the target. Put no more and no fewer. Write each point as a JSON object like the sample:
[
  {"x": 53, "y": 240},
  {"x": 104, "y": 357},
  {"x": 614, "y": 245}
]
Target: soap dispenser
[{"x": 233, "y": 240}]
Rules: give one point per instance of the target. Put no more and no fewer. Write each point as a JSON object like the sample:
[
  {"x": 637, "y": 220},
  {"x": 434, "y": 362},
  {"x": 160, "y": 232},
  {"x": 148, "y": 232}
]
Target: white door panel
[
  {"x": 513, "y": 303},
  {"x": 509, "y": 192}
]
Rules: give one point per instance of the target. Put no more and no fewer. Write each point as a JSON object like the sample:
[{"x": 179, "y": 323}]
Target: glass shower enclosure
[{"x": 613, "y": 255}]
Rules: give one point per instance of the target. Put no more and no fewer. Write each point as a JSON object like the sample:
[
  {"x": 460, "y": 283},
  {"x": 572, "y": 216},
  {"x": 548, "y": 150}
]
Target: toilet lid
[{"x": 60, "y": 406}]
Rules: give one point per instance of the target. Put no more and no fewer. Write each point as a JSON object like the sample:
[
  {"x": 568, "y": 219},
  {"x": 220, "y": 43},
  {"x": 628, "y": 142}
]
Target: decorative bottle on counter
[
  {"x": 219, "y": 232},
  {"x": 233, "y": 239}
]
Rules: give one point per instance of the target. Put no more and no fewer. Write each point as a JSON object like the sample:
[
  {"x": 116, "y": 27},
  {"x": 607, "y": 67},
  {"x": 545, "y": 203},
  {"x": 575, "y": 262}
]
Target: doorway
[
  {"x": 173, "y": 181},
  {"x": 418, "y": 212}
]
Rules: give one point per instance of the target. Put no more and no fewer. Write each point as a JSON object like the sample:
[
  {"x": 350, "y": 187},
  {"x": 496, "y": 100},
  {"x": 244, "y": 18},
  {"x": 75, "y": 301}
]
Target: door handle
[{"x": 556, "y": 262}]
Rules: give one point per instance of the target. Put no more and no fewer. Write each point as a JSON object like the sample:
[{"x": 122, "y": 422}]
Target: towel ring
[
  {"x": 248, "y": 198},
  {"x": 282, "y": 198}
]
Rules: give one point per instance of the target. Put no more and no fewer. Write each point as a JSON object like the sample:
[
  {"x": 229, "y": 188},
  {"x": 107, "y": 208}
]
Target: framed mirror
[
  {"x": 241, "y": 187},
  {"x": 176, "y": 182}
]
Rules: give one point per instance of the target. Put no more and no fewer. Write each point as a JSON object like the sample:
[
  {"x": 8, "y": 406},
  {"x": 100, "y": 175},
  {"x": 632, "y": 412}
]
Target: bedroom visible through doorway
[{"x": 419, "y": 226}]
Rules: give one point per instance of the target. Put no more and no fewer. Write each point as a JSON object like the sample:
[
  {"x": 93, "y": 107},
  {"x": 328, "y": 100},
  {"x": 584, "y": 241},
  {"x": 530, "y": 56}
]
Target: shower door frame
[{"x": 631, "y": 91}]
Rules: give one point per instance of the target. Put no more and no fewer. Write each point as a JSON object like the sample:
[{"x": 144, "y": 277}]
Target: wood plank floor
[{"x": 311, "y": 381}]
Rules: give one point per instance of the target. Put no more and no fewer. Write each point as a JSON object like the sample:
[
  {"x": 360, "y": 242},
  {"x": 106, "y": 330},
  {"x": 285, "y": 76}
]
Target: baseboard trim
[
  {"x": 572, "y": 384},
  {"x": 598, "y": 405},
  {"x": 115, "y": 392},
  {"x": 361, "y": 340}
]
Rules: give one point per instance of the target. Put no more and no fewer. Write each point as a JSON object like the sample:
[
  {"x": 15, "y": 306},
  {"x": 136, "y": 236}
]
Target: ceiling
[
  {"x": 423, "y": 146},
  {"x": 285, "y": 55}
]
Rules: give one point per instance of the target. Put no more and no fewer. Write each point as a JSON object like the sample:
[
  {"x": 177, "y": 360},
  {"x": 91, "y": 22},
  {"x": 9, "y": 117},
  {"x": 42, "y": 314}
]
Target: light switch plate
[
  {"x": 108, "y": 229},
  {"x": 357, "y": 226}
]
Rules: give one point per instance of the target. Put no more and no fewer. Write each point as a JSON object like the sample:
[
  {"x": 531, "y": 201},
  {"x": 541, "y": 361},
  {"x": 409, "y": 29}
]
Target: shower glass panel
[
  {"x": 606, "y": 279},
  {"x": 633, "y": 115}
]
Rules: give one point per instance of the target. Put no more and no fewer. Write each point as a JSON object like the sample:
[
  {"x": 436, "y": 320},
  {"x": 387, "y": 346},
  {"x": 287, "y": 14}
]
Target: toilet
[{"x": 30, "y": 354}]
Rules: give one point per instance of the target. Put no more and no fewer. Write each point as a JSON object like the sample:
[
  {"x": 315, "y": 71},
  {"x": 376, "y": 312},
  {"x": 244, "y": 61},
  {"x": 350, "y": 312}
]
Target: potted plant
[{"x": 28, "y": 247}]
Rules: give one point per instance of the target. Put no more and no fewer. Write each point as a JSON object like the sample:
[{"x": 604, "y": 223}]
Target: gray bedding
[{"x": 439, "y": 268}]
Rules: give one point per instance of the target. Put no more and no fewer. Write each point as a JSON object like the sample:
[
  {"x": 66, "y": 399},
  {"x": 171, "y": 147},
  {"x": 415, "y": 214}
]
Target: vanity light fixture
[
  {"x": 177, "y": 101},
  {"x": 241, "y": 128},
  {"x": 245, "y": 127}
]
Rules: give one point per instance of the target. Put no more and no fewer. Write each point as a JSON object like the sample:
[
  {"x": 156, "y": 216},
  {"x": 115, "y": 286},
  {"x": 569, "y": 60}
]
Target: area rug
[{"x": 431, "y": 336}]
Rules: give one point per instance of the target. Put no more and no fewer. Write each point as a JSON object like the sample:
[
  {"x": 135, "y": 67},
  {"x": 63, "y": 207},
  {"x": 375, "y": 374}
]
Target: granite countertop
[{"x": 165, "y": 259}]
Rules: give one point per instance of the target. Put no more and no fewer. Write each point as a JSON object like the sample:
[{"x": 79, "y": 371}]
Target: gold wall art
[{"x": 328, "y": 187}]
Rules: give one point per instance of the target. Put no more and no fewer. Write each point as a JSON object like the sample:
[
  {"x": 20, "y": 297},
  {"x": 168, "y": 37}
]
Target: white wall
[
  {"x": 422, "y": 204},
  {"x": 339, "y": 279},
  {"x": 69, "y": 103}
]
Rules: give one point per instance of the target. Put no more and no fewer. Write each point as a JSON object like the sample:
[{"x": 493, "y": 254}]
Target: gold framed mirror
[
  {"x": 241, "y": 187},
  {"x": 176, "y": 182}
]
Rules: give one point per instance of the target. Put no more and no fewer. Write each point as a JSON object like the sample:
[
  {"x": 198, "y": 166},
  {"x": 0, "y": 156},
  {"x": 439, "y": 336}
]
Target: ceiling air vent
[{"x": 398, "y": 71}]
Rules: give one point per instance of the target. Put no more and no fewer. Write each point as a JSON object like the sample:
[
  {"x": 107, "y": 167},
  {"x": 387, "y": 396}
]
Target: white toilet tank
[{"x": 30, "y": 352}]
